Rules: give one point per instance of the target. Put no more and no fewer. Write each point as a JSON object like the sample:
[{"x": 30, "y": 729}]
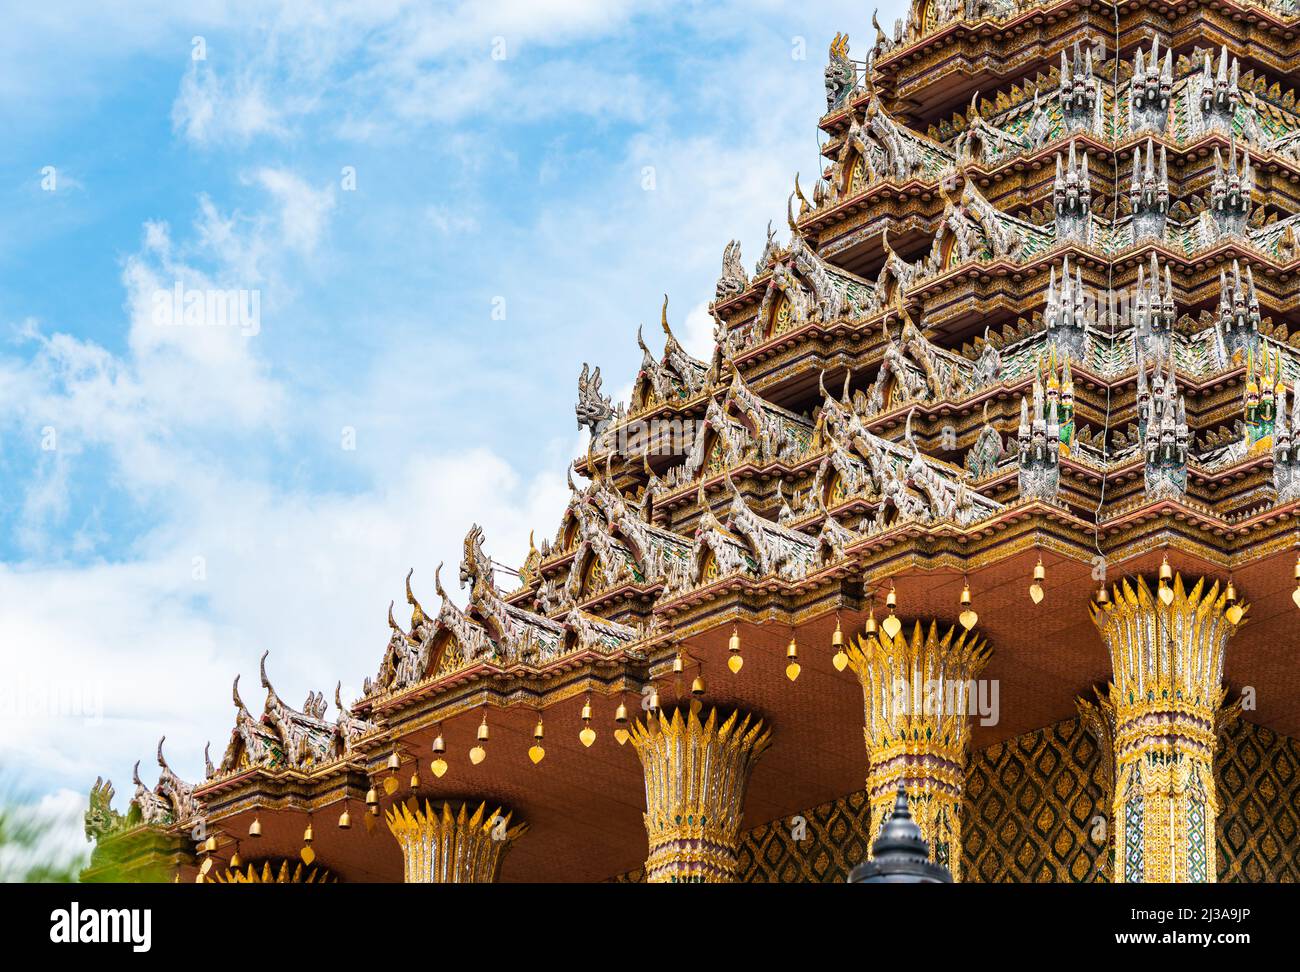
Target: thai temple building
[{"x": 989, "y": 491}]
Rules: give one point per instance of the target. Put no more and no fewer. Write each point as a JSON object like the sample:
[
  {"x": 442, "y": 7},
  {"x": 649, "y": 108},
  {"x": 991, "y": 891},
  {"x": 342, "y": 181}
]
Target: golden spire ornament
[
  {"x": 734, "y": 660},
  {"x": 439, "y": 764},
  {"x": 588, "y": 735},
  {"x": 968, "y": 617},
  {"x": 479, "y": 752},
  {"x": 891, "y": 625},
  {"x": 535, "y": 752},
  {"x": 792, "y": 669},
  {"x": 1036, "y": 588}
]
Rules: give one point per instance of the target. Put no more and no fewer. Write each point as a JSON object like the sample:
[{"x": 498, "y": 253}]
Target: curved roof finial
[{"x": 418, "y": 616}]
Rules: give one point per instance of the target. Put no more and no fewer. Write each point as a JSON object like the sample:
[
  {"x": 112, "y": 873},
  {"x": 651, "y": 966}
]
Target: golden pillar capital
[
  {"x": 444, "y": 845},
  {"x": 276, "y": 871},
  {"x": 1166, "y": 651},
  {"x": 919, "y": 693},
  {"x": 695, "y": 776}
]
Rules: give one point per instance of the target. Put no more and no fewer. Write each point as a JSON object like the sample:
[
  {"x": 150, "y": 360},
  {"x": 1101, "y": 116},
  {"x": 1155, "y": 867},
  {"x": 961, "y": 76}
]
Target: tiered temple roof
[{"x": 1061, "y": 319}]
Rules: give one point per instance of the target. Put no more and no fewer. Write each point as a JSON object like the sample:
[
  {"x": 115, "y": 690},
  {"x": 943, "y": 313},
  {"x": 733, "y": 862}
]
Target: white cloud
[
  {"x": 209, "y": 110},
  {"x": 303, "y": 210},
  {"x": 697, "y": 335}
]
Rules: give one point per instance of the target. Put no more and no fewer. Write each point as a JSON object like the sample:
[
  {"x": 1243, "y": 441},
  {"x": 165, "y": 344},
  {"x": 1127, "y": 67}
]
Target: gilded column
[
  {"x": 1166, "y": 653},
  {"x": 918, "y": 695},
  {"x": 442, "y": 845},
  {"x": 695, "y": 777}
]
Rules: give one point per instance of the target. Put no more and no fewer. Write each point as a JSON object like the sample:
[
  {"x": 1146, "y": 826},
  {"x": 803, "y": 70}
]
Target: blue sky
[{"x": 175, "y": 500}]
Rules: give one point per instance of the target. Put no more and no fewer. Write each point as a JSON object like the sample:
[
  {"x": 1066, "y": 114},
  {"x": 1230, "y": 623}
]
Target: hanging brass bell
[
  {"x": 968, "y": 617},
  {"x": 734, "y": 660},
  {"x": 1036, "y": 588}
]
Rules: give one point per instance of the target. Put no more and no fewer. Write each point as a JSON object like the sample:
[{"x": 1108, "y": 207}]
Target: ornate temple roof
[{"x": 1057, "y": 322}]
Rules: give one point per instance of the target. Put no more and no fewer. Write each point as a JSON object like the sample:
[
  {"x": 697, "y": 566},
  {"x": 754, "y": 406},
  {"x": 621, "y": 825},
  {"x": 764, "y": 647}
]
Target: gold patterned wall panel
[
  {"x": 836, "y": 838},
  {"x": 1029, "y": 809},
  {"x": 1258, "y": 776},
  {"x": 1028, "y": 812}
]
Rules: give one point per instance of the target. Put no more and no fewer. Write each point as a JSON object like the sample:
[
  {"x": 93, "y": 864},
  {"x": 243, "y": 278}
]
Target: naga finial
[
  {"x": 663, "y": 322},
  {"x": 161, "y": 760},
  {"x": 907, "y": 432},
  {"x": 735, "y": 490},
  {"x": 418, "y": 616},
  {"x": 266, "y": 682},
  {"x": 234, "y": 692},
  {"x": 799, "y": 192}
]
